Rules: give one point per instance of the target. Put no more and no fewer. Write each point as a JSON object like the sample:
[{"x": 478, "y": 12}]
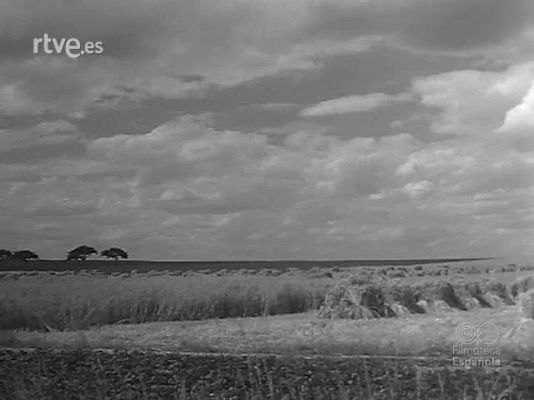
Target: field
[
  {"x": 273, "y": 333},
  {"x": 77, "y": 301},
  {"x": 127, "y": 266}
]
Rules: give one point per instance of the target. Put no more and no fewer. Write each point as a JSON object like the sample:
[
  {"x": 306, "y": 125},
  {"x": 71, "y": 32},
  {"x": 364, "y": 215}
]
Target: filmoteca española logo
[{"x": 477, "y": 345}]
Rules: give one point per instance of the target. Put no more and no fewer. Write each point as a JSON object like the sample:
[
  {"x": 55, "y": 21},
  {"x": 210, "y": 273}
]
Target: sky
[{"x": 269, "y": 129}]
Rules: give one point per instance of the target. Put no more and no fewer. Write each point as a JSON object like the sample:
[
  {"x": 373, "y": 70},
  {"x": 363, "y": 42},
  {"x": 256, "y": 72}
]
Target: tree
[
  {"x": 80, "y": 253},
  {"x": 5, "y": 254},
  {"x": 25, "y": 255},
  {"x": 115, "y": 253}
]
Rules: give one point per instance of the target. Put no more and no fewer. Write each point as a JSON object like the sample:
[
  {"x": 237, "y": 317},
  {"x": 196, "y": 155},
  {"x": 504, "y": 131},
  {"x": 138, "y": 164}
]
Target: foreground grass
[
  {"x": 69, "y": 302},
  {"x": 99, "y": 375}
]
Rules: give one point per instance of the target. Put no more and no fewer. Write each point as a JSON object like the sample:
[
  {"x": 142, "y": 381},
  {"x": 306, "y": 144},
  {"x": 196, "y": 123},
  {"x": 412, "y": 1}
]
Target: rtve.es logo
[{"x": 72, "y": 47}]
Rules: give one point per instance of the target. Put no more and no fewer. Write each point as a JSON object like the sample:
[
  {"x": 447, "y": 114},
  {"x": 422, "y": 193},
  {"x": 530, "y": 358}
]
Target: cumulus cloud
[
  {"x": 312, "y": 194},
  {"x": 519, "y": 122},
  {"x": 487, "y": 145},
  {"x": 356, "y": 103},
  {"x": 472, "y": 101}
]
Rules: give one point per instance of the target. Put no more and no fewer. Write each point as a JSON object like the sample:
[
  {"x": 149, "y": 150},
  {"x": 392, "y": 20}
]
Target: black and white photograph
[{"x": 266, "y": 199}]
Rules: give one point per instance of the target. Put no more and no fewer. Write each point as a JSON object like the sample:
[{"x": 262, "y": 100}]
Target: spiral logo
[
  {"x": 466, "y": 333},
  {"x": 486, "y": 333}
]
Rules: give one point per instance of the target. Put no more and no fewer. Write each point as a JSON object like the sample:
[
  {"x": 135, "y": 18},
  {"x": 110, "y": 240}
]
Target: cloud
[
  {"x": 352, "y": 104},
  {"x": 43, "y": 134},
  {"x": 44, "y": 85},
  {"x": 448, "y": 26},
  {"x": 313, "y": 193},
  {"x": 151, "y": 51},
  {"x": 186, "y": 167},
  {"x": 190, "y": 186},
  {"x": 519, "y": 122},
  {"x": 471, "y": 101},
  {"x": 63, "y": 208},
  {"x": 457, "y": 25}
]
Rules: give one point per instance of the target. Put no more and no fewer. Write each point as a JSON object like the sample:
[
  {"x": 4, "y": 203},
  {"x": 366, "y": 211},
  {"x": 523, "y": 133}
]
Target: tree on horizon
[
  {"x": 25, "y": 255},
  {"x": 5, "y": 254},
  {"x": 115, "y": 253},
  {"x": 80, "y": 253}
]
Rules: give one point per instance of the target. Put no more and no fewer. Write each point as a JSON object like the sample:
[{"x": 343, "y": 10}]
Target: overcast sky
[{"x": 270, "y": 129}]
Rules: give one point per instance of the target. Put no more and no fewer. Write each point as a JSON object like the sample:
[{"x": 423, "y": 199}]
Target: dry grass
[
  {"x": 67, "y": 301},
  {"x": 411, "y": 335},
  {"x": 80, "y": 301},
  {"x": 365, "y": 297}
]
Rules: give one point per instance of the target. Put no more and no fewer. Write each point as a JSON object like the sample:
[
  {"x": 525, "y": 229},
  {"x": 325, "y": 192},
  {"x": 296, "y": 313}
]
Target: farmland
[
  {"x": 213, "y": 266},
  {"x": 274, "y": 333},
  {"x": 71, "y": 300}
]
